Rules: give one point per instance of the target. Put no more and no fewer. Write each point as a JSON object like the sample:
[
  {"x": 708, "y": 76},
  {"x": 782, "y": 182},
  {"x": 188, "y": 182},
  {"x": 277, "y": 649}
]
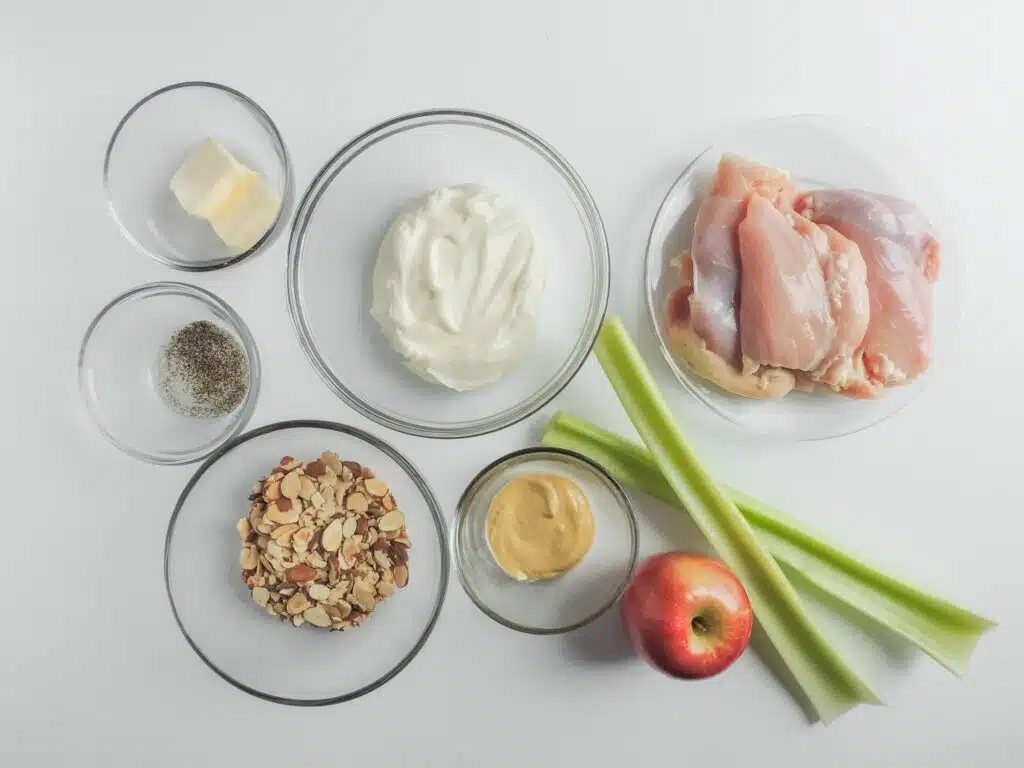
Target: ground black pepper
[{"x": 204, "y": 371}]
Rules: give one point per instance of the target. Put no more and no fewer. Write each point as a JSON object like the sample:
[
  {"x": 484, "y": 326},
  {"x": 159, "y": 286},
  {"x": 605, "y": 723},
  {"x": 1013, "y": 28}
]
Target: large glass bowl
[
  {"x": 258, "y": 653},
  {"x": 819, "y": 151},
  {"x": 338, "y": 230},
  {"x": 120, "y": 365}
]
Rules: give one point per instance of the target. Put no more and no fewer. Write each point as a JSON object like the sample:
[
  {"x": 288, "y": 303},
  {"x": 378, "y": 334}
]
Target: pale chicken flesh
[
  {"x": 831, "y": 288},
  {"x": 901, "y": 256},
  {"x": 845, "y": 274},
  {"x": 686, "y": 346},
  {"x": 784, "y": 318},
  {"x": 715, "y": 249}
]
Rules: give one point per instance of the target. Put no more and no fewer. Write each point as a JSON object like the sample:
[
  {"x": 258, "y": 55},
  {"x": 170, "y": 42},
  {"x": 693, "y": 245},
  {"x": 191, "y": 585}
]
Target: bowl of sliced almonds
[{"x": 310, "y": 541}]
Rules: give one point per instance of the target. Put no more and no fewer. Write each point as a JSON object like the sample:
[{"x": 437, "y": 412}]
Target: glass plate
[
  {"x": 818, "y": 151},
  {"x": 257, "y": 653}
]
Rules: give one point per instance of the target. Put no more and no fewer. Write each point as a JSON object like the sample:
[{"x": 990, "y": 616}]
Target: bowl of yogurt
[{"x": 447, "y": 273}]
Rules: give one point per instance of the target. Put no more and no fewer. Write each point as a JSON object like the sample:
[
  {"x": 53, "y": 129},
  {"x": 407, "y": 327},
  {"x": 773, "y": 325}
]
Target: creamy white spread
[{"x": 457, "y": 286}]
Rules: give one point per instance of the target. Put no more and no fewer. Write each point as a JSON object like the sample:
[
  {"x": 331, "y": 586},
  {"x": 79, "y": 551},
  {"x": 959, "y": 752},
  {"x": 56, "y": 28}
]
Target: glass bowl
[
  {"x": 819, "y": 151},
  {"x": 578, "y": 596},
  {"x": 150, "y": 143},
  {"x": 338, "y": 229},
  {"x": 262, "y": 655},
  {"x": 119, "y": 373}
]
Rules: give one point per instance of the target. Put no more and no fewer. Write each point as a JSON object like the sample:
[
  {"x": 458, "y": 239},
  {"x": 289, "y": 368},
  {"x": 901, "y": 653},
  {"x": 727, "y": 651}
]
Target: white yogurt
[{"x": 457, "y": 286}]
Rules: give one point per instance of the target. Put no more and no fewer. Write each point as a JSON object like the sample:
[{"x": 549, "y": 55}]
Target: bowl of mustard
[{"x": 544, "y": 540}]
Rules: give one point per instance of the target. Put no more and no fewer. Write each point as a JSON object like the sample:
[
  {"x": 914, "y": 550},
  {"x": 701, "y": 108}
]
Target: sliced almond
[
  {"x": 272, "y": 491},
  {"x": 340, "y": 491},
  {"x": 317, "y": 616},
  {"x": 385, "y": 588},
  {"x": 290, "y": 485},
  {"x": 332, "y": 536},
  {"x": 300, "y": 573},
  {"x": 349, "y": 551},
  {"x": 297, "y": 603},
  {"x": 338, "y": 593},
  {"x": 388, "y": 502},
  {"x": 398, "y": 553},
  {"x": 392, "y": 521},
  {"x": 344, "y": 608},
  {"x": 281, "y": 516},
  {"x": 329, "y": 509},
  {"x": 328, "y": 480},
  {"x": 364, "y": 595},
  {"x": 298, "y": 621},
  {"x": 261, "y": 595},
  {"x": 288, "y": 463},
  {"x": 243, "y": 528},
  {"x": 382, "y": 559},
  {"x": 401, "y": 575},
  {"x": 330, "y": 458},
  {"x": 306, "y": 487},
  {"x": 357, "y": 502},
  {"x": 376, "y": 487},
  {"x": 318, "y": 592},
  {"x": 248, "y": 558},
  {"x": 316, "y": 468},
  {"x": 316, "y": 560},
  {"x": 348, "y": 527},
  {"x": 282, "y": 532},
  {"x": 316, "y": 499}
]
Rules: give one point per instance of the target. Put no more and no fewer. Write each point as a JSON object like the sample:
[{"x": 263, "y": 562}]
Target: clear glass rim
[
  {"x": 268, "y": 124},
  {"x": 462, "y": 512},
  {"x": 422, "y": 486},
  {"x": 600, "y": 263},
  {"x": 653, "y": 260},
  {"x": 238, "y": 325}
]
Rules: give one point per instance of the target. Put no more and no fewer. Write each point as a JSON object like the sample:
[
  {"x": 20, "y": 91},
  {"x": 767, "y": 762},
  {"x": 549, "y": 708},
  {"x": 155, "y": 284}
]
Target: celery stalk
[
  {"x": 940, "y": 628},
  {"x": 830, "y": 685}
]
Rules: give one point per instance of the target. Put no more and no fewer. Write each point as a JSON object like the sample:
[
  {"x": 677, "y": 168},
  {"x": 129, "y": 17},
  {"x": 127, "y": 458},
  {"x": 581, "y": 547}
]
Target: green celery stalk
[
  {"x": 940, "y": 628},
  {"x": 830, "y": 685}
]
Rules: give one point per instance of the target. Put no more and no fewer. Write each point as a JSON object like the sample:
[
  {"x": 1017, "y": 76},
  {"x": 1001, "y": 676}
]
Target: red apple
[{"x": 687, "y": 615}]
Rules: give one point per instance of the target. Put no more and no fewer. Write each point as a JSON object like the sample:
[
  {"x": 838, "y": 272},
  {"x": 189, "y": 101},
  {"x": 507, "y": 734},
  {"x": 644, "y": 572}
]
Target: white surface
[{"x": 94, "y": 671}]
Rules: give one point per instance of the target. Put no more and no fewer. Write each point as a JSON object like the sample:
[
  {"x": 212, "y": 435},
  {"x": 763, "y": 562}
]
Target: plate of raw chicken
[{"x": 798, "y": 280}]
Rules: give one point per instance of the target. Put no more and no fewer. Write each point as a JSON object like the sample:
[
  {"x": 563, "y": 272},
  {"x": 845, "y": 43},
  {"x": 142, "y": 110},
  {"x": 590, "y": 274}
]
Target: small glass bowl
[
  {"x": 575, "y": 598},
  {"x": 819, "y": 151},
  {"x": 333, "y": 250},
  {"x": 119, "y": 368},
  {"x": 150, "y": 143},
  {"x": 260, "y": 654}
]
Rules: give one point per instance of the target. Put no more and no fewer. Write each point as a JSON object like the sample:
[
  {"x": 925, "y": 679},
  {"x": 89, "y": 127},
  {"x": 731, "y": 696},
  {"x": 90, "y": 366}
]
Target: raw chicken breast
[
  {"x": 715, "y": 249},
  {"x": 785, "y": 320},
  {"x": 901, "y": 255},
  {"x": 687, "y": 347},
  {"x": 842, "y": 266}
]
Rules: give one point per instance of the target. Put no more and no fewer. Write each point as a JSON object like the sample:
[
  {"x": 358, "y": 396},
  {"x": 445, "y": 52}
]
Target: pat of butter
[
  {"x": 247, "y": 215},
  {"x": 207, "y": 179},
  {"x": 211, "y": 184}
]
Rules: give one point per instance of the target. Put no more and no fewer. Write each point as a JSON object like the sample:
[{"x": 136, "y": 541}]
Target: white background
[{"x": 93, "y": 670}]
